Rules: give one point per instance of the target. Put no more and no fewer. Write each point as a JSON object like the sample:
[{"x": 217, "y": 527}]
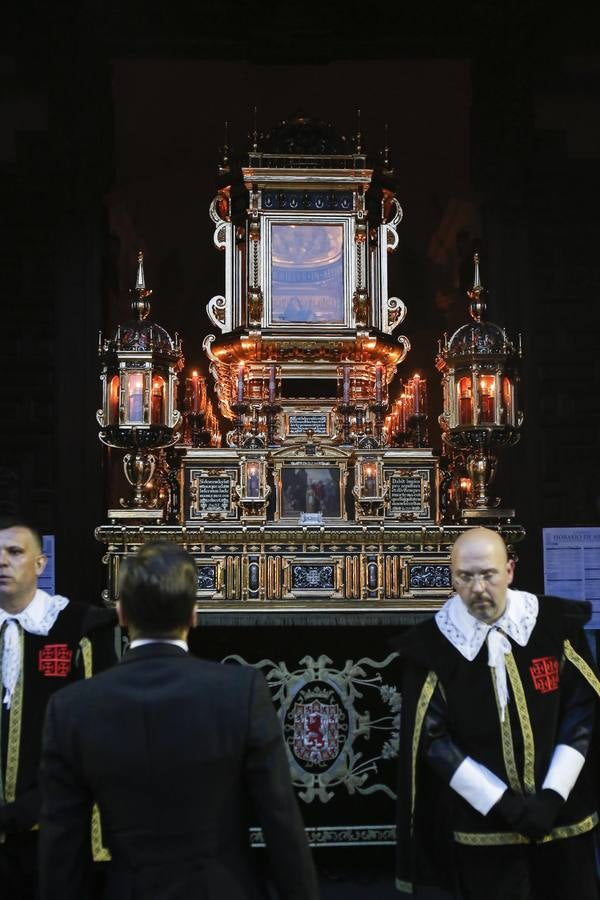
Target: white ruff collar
[
  {"x": 38, "y": 617},
  {"x": 467, "y": 634}
]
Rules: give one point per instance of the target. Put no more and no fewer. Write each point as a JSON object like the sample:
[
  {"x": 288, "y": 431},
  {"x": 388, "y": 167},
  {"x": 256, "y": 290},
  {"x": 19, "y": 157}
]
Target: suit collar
[{"x": 152, "y": 651}]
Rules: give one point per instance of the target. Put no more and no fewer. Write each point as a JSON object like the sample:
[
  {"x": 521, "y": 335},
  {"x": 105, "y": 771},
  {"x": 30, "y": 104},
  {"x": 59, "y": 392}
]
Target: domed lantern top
[
  {"x": 480, "y": 375},
  {"x": 478, "y": 336},
  {"x": 141, "y": 334},
  {"x": 139, "y": 377}
]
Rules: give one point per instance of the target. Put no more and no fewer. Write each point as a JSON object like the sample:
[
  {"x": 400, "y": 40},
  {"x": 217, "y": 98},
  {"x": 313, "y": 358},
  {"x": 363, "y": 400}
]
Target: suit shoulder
[{"x": 226, "y": 672}]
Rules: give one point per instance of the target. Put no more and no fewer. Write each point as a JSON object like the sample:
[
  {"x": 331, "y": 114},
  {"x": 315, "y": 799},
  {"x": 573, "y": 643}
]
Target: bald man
[{"x": 496, "y": 799}]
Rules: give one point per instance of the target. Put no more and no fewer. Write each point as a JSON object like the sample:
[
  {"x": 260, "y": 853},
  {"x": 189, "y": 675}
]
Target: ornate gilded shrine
[
  {"x": 323, "y": 493},
  {"x": 300, "y": 473}
]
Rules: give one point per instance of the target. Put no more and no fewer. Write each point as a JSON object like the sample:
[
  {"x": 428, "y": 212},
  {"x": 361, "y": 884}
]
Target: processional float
[{"x": 301, "y": 476}]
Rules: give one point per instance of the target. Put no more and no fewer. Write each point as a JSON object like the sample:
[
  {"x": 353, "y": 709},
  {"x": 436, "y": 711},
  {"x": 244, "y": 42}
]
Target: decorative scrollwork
[
  {"x": 216, "y": 309},
  {"x": 398, "y": 215},
  {"x": 396, "y": 311},
  {"x": 220, "y": 236},
  {"x": 207, "y": 347},
  {"x": 391, "y": 238},
  {"x": 404, "y": 341},
  {"x": 219, "y": 206}
]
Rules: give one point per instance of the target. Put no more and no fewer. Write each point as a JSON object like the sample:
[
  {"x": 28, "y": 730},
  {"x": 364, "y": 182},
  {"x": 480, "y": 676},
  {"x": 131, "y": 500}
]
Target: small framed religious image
[
  {"x": 310, "y": 489},
  {"x": 369, "y": 479},
  {"x": 252, "y": 479},
  {"x": 308, "y": 266}
]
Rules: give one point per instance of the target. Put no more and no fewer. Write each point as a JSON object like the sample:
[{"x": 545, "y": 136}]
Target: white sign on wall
[
  {"x": 46, "y": 579},
  {"x": 572, "y": 566}
]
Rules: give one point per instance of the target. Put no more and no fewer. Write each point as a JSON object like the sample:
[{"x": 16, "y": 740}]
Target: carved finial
[
  {"x": 224, "y": 163},
  {"x": 477, "y": 293},
  {"x": 139, "y": 296},
  {"x": 255, "y": 132},
  {"x": 387, "y": 169},
  {"x": 140, "y": 282},
  {"x": 358, "y": 148}
]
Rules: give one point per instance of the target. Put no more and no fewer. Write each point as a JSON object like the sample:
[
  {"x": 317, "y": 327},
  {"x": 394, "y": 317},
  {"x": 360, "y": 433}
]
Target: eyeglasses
[{"x": 469, "y": 578}]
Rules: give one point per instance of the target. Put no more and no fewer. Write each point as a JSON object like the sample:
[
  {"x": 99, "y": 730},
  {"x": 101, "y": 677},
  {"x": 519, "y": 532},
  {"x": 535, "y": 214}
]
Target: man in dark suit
[{"x": 177, "y": 752}]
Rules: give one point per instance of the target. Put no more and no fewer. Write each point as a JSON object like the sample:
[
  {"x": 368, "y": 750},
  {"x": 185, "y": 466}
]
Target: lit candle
[
  {"x": 465, "y": 402},
  {"x": 346, "y": 391},
  {"x": 195, "y": 397},
  {"x": 417, "y": 394},
  {"x": 378, "y": 383},
  {"x": 370, "y": 483},
  {"x": 135, "y": 390},
  {"x": 402, "y": 412},
  {"x": 240, "y": 383},
  {"x": 272, "y": 384},
  {"x": 486, "y": 398},
  {"x": 157, "y": 400}
]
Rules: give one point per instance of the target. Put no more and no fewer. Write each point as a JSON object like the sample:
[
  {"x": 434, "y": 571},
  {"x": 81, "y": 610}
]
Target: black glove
[
  {"x": 510, "y": 807},
  {"x": 540, "y": 813}
]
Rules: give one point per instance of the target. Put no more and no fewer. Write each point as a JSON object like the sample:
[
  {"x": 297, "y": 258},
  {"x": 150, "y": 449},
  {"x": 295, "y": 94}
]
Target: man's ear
[
  {"x": 193, "y": 619},
  {"x": 123, "y": 621},
  {"x": 40, "y": 564},
  {"x": 510, "y": 569}
]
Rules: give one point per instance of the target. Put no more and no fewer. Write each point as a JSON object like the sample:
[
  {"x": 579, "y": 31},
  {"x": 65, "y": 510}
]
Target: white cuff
[
  {"x": 564, "y": 769},
  {"x": 477, "y": 785}
]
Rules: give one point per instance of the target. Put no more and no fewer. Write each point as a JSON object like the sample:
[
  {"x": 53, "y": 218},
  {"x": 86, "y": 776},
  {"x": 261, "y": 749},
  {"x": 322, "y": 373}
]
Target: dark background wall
[{"x": 113, "y": 116}]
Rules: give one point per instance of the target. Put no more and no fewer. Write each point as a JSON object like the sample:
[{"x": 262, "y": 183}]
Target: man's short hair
[
  {"x": 157, "y": 589},
  {"x": 15, "y": 521}
]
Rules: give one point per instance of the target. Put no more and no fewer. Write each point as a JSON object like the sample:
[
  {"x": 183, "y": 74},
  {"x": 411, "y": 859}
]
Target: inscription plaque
[
  {"x": 214, "y": 494},
  {"x": 406, "y": 494},
  {"x": 300, "y": 423}
]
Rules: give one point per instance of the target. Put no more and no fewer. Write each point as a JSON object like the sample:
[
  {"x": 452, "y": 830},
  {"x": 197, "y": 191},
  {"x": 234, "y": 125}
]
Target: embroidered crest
[
  {"x": 55, "y": 660},
  {"x": 544, "y": 674},
  {"x": 316, "y": 737}
]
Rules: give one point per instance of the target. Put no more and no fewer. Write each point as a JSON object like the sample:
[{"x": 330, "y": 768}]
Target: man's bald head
[
  {"x": 482, "y": 572},
  {"x": 477, "y": 537}
]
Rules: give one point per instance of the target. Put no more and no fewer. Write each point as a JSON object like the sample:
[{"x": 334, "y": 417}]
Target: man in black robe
[
  {"x": 46, "y": 642},
  {"x": 496, "y": 794}
]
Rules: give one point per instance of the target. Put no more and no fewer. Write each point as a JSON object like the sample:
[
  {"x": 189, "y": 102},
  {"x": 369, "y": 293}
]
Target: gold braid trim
[
  {"x": 492, "y": 839},
  {"x": 580, "y": 664},
  {"x": 567, "y": 831},
  {"x": 14, "y": 731},
  {"x": 100, "y": 853},
  {"x": 405, "y": 886},
  {"x": 422, "y": 704},
  {"x": 508, "y": 748},
  {"x": 9, "y": 788},
  {"x": 86, "y": 653},
  {"x": 528, "y": 743}
]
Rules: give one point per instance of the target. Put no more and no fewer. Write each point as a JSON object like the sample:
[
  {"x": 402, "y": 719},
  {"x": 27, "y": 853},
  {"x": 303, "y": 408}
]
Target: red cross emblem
[
  {"x": 544, "y": 673},
  {"x": 55, "y": 660}
]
